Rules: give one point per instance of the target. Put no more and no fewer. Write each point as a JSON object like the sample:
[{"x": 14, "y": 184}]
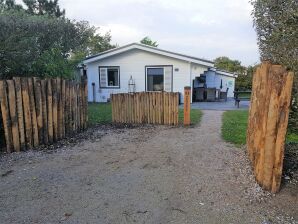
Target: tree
[
  {"x": 43, "y": 45},
  {"x": 276, "y": 24},
  {"x": 94, "y": 41},
  {"x": 43, "y": 42},
  {"x": 44, "y": 7},
  {"x": 229, "y": 65},
  {"x": 244, "y": 79},
  {"x": 25, "y": 38},
  {"x": 9, "y": 4},
  {"x": 148, "y": 41}
]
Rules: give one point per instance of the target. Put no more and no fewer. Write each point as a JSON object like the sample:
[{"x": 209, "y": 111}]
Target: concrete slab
[{"x": 229, "y": 105}]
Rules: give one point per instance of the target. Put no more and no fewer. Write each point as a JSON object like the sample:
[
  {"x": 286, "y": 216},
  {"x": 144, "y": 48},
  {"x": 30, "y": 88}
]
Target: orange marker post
[{"x": 187, "y": 92}]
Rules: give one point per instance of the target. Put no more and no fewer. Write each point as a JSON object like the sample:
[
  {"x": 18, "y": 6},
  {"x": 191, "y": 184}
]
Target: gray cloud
[{"x": 201, "y": 28}]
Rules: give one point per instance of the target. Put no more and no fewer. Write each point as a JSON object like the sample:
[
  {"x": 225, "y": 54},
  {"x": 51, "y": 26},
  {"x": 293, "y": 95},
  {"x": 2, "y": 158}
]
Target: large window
[
  {"x": 109, "y": 77},
  {"x": 155, "y": 79}
]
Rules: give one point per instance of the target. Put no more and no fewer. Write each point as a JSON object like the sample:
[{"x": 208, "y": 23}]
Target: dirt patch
[{"x": 140, "y": 174}]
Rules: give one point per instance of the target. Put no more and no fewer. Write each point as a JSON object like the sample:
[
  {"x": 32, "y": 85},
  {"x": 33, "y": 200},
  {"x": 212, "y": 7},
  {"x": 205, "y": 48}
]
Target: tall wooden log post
[
  {"x": 267, "y": 124},
  {"x": 187, "y": 94}
]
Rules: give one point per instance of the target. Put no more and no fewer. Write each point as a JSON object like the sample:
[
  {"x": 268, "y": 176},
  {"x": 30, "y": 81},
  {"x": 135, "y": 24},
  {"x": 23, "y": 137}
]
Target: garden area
[
  {"x": 101, "y": 113},
  {"x": 235, "y": 125}
]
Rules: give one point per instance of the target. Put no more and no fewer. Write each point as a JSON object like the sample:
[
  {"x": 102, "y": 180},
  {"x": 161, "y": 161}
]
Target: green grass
[
  {"x": 244, "y": 95},
  {"x": 292, "y": 137},
  {"x": 195, "y": 116},
  {"x": 234, "y": 128},
  {"x": 101, "y": 113}
]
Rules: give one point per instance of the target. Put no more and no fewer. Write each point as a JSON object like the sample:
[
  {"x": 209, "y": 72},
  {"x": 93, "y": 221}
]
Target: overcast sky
[{"x": 202, "y": 28}]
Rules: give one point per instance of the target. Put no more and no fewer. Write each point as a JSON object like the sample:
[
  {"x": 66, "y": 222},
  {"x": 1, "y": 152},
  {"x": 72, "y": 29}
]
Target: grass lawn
[
  {"x": 195, "y": 116},
  {"x": 234, "y": 128},
  {"x": 244, "y": 95},
  {"x": 101, "y": 113}
]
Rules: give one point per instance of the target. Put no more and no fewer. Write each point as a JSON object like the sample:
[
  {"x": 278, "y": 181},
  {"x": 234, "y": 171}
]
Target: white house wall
[
  {"x": 227, "y": 82},
  {"x": 133, "y": 64},
  {"x": 213, "y": 80}
]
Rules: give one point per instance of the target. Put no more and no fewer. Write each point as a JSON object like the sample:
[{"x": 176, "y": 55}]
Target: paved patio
[{"x": 229, "y": 105}]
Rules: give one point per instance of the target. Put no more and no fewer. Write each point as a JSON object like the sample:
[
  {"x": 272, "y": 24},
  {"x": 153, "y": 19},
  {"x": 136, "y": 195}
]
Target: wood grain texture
[
  {"x": 27, "y": 113},
  {"x": 267, "y": 123},
  {"x": 145, "y": 107},
  {"x": 13, "y": 116},
  {"x": 187, "y": 94},
  {"x": 21, "y": 120},
  {"x": 38, "y": 106},
  {"x": 43, "y": 84},
  {"x": 33, "y": 112},
  {"x": 38, "y": 111},
  {"x": 6, "y": 116}
]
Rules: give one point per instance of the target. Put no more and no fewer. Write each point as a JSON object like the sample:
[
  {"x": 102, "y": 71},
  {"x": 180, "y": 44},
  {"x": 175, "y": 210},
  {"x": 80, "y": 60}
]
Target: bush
[{"x": 276, "y": 23}]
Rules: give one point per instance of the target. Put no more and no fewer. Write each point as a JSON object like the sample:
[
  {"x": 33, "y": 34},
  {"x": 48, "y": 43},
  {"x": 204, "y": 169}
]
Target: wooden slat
[
  {"x": 20, "y": 112},
  {"x": 59, "y": 109},
  {"x": 73, "y": 107},
  {"x": 38, "y": 106},
  {"x": 66, "y": 108},
  {"x": 55, "y": 108},
  {"x": 33, "y": 112},
  {"x": 6, "y": 116},
  {"x": 27, "y": 113},
  {"x": 43, "y": 84},
  {"x": 50, "y": 111},
  {"x": 63, "y": 96},
  {"x": 70, "y": 115},
  {"x": 13, "y": 115}
]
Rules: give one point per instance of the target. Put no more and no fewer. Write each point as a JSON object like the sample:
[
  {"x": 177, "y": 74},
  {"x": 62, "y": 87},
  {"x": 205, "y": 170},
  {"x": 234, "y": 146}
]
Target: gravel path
[{"x": 141, "y": 175}]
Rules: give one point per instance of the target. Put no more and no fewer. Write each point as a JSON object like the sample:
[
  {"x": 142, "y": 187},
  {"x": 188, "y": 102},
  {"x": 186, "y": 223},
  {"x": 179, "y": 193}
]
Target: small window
[{"x": 109, "y": 77}]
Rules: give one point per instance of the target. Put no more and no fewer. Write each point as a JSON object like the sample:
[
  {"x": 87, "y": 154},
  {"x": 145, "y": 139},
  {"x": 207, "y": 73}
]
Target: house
[{"x": 148, "y": 68}]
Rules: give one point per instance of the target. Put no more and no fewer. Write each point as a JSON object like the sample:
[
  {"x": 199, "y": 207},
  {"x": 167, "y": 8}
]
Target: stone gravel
[{"x": 140, "y": 174}]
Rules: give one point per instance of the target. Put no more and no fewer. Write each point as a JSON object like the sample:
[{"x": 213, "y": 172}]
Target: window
[
  {"x": 109, "y": 77},
  {"x": 155, "y": 79}
]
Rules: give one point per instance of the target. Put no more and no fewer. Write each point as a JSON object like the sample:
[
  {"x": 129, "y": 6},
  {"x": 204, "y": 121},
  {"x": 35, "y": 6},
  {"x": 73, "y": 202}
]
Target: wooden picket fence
[
  {"x": 267, "y": 124},
  {"x": 145, "y": 107},
  {"x": 36, "y": 112}
]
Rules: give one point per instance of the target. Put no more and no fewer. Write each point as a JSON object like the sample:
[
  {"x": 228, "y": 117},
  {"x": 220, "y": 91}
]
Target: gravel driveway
[{"x": 150, "y": 174}]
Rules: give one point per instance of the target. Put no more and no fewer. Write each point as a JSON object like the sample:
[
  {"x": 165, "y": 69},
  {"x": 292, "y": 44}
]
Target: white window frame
[{"x": 107, "y": 81}]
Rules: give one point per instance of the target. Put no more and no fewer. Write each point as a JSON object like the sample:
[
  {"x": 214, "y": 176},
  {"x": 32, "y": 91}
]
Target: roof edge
[{"x": 138, "y": 46}]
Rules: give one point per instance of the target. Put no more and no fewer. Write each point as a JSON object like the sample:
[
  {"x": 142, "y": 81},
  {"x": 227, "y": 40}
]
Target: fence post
[
  {"x": 5, "y": 115},
  {"x": 187, "y": 94},
  {"x": 267, "y": 123}
]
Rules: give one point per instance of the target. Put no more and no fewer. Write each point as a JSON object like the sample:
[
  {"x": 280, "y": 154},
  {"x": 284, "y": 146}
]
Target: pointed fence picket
[
  {"x": 145, "y": 107},
  {"x": 41, "y": 111}
]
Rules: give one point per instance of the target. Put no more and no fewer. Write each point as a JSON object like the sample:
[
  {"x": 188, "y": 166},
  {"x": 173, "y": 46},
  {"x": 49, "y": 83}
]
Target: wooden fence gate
[
  {"x": 267, "y": 125},
  {"x": 38, "y": 111},
  {"x": 145, "y": 107}
]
